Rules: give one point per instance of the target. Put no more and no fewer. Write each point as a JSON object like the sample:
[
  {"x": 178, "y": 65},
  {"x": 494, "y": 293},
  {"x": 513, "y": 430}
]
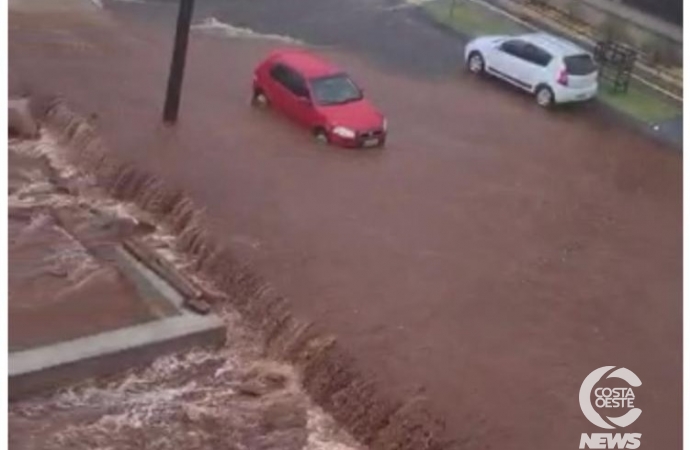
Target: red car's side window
[
  {"x": 290, "y": 79},
  {"x": 278, "y": 73}
]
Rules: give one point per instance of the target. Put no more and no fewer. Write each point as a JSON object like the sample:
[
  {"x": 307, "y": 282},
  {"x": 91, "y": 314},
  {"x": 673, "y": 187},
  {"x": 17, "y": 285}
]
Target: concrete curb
[{"x": 45, "y": 368}]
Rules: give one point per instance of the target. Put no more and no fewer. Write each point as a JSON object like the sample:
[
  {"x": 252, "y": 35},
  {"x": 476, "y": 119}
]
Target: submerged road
[{"x": 492, "y": 254}]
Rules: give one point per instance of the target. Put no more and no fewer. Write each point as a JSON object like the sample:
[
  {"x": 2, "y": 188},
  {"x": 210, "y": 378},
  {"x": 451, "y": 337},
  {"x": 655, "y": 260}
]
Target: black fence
[
  {"x": 669, "y": 10},
  {"x": 616, "y": 62}
]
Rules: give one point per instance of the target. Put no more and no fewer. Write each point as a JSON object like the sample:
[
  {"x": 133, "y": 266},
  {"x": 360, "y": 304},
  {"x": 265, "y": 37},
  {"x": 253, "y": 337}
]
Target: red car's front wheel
[{"x": 321, "y": 135}]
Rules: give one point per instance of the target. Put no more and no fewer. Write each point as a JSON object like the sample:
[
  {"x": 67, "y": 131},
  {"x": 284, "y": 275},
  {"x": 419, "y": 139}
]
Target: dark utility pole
[{"x": 172, "y": 96}]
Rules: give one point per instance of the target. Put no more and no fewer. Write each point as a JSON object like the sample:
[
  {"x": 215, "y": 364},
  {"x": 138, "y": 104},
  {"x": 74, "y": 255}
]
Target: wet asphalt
[{"x": 395, "y": 34}]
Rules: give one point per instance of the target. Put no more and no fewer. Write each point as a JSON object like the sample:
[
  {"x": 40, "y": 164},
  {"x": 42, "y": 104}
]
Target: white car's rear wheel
[
  {"x": 544, "y": 96},
  {"x": 475, "y": 63}
]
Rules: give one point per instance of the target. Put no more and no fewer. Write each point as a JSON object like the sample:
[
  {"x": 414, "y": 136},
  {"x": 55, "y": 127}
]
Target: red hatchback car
[{"x": 319, "y": 96}]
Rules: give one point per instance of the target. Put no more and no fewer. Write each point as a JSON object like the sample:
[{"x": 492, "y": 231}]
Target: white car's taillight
[{"x": 562, "y": 77}]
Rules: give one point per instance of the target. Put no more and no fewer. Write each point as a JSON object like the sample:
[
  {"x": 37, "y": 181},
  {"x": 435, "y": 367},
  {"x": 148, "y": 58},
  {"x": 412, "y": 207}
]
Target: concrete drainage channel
[{"x": 273, "y": 364}]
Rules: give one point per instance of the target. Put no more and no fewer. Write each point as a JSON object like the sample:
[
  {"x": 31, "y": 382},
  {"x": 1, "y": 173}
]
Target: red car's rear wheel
[{"x": 259, "y": 98}]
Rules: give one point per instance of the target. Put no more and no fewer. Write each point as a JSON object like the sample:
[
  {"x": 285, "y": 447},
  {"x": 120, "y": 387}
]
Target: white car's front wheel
[
  {"x": 475, "y": 63},
  {"x": 544, "y": 96}
]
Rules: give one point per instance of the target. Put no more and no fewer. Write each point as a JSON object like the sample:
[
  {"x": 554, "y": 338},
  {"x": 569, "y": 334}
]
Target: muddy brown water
[
  {"x": 63, "y": 285},
  {"x": 489, "y": 258}
]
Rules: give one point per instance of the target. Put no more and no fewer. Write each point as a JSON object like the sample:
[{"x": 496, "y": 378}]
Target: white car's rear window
[{"x": 579, "y": 64}]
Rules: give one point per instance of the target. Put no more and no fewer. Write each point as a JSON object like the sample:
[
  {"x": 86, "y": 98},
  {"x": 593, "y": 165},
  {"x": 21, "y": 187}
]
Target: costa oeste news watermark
[{"x": 606, "y": 397}]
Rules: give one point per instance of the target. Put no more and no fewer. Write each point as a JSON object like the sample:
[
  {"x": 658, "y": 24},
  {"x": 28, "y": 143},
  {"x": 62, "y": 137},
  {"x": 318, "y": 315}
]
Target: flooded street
[
  {"x": 64, "y": 285},
  {"x": 488, "y": 259}
]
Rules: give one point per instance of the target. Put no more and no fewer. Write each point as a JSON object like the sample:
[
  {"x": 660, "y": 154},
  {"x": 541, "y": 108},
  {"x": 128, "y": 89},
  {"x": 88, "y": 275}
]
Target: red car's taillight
[{"x": 562, "y": 77}]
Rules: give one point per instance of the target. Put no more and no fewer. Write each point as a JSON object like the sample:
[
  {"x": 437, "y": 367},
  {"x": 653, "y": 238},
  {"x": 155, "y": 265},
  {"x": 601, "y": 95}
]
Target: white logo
[{"x": 623, "y": 397}]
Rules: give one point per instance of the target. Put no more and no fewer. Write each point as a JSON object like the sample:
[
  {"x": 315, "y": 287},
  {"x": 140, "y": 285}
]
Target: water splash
[
  {"x": 233, "y": 392},
  {"x": 214, "y": 25}
]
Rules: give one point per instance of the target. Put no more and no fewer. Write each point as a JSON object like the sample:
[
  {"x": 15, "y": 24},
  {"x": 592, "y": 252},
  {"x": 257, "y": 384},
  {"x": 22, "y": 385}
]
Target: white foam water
[
  {"x": 213, "y": 25},
  {"x": 199, "y": 387}
]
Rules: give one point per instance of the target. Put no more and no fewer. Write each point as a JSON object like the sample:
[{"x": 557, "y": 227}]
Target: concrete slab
[
  {"x": 35, "y": 370},
  {"x": 80, "y": 306},
  {"x": 58, "y": 290},
  {"x": 161, "y": 298}
]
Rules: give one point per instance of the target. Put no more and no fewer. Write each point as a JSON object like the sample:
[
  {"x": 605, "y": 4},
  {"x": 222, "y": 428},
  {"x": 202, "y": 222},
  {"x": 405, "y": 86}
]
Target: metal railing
[{"x": 647, "y": 67}]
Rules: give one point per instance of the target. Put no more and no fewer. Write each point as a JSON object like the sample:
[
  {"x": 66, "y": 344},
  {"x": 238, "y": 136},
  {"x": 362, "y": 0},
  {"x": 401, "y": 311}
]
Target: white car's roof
[{"x": 553, "y": 44}]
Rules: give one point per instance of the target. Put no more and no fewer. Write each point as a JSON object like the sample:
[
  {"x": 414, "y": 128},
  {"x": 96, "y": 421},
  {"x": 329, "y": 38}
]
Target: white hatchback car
[{"x": 551, "y": 68}]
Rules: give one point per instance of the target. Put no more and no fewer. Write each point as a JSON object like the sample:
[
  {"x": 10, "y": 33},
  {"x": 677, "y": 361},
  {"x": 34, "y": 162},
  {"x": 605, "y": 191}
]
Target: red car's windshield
[{"x": 334, "y": 90}]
